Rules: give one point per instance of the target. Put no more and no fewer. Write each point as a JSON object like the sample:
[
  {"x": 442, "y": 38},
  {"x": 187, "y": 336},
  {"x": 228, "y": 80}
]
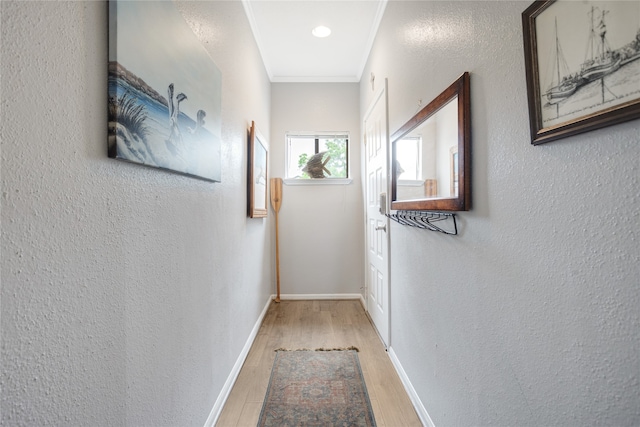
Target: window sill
[{"x": 318, "y": 181}]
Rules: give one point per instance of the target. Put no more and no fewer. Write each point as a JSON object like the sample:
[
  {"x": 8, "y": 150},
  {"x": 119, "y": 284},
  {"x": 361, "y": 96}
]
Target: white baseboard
[
  {"x": 417, "y": 403},
  {"x": 299, "y": 297},
  {"x": 233, "y": 376},
  {"x": 293, "y": 297},
  {"x": 363, "y": 302}
]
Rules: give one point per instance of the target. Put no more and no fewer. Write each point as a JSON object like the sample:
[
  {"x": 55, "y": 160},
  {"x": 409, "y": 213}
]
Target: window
[{"x": 317, "y": 155}]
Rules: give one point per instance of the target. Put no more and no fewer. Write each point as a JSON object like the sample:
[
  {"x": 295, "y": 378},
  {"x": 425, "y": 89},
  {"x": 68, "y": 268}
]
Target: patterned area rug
[{"x": 316, "y": 388}]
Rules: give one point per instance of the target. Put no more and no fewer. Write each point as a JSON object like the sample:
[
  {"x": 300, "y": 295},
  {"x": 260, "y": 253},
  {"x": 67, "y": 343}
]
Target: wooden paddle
[{"x": 276, "y": 202}]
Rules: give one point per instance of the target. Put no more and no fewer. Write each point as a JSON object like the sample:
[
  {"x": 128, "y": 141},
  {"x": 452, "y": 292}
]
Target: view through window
[{"x": 317, "y": 155}]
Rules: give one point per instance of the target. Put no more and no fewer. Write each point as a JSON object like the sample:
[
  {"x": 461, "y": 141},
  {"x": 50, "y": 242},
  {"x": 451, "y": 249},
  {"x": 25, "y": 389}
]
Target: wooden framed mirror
[{"x": 431, "y": 154}]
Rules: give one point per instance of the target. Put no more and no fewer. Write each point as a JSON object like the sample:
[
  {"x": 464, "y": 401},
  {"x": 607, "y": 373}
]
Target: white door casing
[{"x": 376, "y": 138}]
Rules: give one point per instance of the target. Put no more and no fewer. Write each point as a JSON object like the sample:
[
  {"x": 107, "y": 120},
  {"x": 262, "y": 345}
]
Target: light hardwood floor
[{"x": 315, "y": 324}]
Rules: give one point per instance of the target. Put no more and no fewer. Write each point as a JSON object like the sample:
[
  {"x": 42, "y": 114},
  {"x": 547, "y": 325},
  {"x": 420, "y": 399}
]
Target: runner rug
[{"x": 316, "y": 388}]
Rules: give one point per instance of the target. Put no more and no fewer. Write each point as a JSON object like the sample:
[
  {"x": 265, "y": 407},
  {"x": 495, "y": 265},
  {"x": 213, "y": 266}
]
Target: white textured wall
[
  {"x": 127, "y": 292},
  {"x": 321, "y": 231},
  {"x": 531, "y": 315}
]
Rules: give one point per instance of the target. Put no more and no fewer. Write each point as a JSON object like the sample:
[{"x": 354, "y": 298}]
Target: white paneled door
[{"x": 376, "y": 139}]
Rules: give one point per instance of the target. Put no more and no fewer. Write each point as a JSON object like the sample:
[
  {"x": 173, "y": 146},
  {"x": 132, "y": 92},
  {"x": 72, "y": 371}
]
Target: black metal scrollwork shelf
[{"x": 427, "y": 220}]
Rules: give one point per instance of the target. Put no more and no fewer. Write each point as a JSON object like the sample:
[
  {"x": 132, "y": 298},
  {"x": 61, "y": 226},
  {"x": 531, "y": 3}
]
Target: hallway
[{"x": 314, "y": 324}]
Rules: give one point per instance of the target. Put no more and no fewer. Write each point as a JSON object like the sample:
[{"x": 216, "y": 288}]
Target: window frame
[{"x": 317, "y": 136}]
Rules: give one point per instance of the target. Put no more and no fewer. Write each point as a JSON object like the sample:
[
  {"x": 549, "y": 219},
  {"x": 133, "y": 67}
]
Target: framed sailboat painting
[{"x": 583, "y": 65}]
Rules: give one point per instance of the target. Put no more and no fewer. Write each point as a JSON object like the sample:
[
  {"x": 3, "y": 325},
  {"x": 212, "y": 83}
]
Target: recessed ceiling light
[{"x": 321, "y": 31}]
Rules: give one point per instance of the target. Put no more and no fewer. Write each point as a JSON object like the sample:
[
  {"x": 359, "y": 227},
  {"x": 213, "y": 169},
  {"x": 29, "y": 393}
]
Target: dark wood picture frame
[
  {"x": 257, "y": 179},
  {"x": 460, "y": 92},
  {"x": 568, "y": 96}
]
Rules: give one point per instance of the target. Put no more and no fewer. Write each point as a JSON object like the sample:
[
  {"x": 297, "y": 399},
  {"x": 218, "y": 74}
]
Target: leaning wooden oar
[{"x": 276, "y": 202}]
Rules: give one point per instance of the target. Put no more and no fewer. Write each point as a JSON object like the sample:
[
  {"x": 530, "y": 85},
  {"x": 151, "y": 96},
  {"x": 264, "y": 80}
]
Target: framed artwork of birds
[{"x": 164, "y": 92}]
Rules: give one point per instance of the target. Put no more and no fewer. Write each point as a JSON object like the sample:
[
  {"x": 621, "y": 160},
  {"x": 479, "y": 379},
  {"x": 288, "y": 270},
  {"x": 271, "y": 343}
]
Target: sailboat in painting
[
  {"x": 601, "y": 60},
  {"x": 564, "y": 83}
]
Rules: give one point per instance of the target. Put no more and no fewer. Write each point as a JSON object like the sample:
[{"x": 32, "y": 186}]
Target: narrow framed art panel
[
  {"x": 582, "y": 65},
  {"x": 164, "y": 92},
  {"x": 257, "y": 173}
]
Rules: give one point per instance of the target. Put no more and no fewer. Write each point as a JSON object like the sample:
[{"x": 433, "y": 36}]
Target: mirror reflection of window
[
  {"x": 409, "y": 167},
  {"x": 408, "y": 156}
]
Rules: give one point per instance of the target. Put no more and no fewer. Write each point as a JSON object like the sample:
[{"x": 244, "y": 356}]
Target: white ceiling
[{"x": 290, "y": 52}]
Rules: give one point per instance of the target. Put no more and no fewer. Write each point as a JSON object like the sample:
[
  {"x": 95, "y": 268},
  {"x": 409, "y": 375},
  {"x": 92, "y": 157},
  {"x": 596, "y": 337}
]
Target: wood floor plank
[
  {"x": 318, "y": 324},
  {"x": 250, "y": 414}
]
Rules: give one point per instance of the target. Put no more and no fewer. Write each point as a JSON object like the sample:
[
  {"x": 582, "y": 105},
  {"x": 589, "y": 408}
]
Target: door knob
[{"x": 381, "y": 227}]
